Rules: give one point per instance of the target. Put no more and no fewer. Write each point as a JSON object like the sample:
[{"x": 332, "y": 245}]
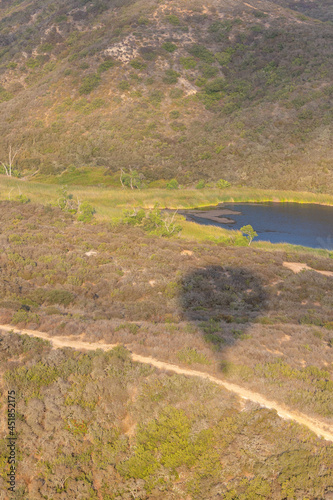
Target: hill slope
[{"x": 174, "y": 89}]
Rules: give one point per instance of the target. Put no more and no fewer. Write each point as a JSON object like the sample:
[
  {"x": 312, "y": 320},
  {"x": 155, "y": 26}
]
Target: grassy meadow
[{"x": 111, "y": 202}]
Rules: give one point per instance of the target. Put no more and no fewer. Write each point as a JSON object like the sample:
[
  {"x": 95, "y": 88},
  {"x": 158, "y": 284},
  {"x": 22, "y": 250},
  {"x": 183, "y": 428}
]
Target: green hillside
[{"x": 234, "y": 90}]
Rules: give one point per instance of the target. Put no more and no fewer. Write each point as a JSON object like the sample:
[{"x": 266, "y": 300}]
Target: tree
[
  {"x": 222, "y": 183},
  {"x": 11, "y": 157},
  {"x": 249, "y": 233},
  {"x": 132, "y": 179}
]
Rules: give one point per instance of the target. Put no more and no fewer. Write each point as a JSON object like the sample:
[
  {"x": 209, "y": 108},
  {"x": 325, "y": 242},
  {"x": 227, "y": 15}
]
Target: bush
[
  {"x": 202, "y": 53},
  {"x": 89, "y": 83},
  {"x": 174, "y": 114},
  {"x": 124, "y": 85},
  {"x": 208, "y": 71},
  {"x": 137, "y": 64},
  {"x": 188, "y": 62},
  {"x": 109, "y": 63},
  {"x": 172, "y": 184},
  {"x": 201, "y": 184},
  {"x": 190, "y": 356},
  {"x": 169, "y": 46},
  {"x": 156, "y": 97},
  {"x": 222, "y": 184},
  {"x": 249, "y": 233},
  {"x": 25, "y": 317},
  {"x": 154, "y": 222},
  {"x": 86, "y": 212},
  {"x": 22, "y": 198},
  {"x": 171, "y": 76},
  {"x": 173, "y": 20}
]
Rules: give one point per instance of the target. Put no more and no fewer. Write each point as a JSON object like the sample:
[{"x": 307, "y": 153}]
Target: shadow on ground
[{"x": 221, "y": 301}]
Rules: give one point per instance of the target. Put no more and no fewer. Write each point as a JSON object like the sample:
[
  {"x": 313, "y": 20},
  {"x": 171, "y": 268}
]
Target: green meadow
[{"x": 111, "y": 202}]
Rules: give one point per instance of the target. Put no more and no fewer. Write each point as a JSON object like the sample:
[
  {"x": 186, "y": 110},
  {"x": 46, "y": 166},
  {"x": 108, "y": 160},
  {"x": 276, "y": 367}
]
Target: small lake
[{"x": 309, "y": 225}]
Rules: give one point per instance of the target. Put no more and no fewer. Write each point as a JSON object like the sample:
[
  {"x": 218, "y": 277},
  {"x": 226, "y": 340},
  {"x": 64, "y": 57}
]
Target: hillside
[
  {"x": 107, "y": 425},
  {"x": 231, "y": 89}
]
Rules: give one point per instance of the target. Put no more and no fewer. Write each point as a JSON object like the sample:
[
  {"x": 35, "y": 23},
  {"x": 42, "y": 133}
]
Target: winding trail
[{"x": 316, "y": 426}]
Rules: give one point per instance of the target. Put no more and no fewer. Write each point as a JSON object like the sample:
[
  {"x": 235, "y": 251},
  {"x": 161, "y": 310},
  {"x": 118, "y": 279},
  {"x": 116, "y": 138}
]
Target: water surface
[{"x": 299, "y": 224}]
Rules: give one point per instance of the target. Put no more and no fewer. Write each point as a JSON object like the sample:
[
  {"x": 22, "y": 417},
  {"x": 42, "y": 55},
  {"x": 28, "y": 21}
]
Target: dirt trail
[
  {"x": 316, "y": 426},
  {"x": 297, "y": 267}
]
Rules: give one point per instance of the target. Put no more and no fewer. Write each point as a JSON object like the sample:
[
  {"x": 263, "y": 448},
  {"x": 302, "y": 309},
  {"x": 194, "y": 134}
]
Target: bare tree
[{"x": 11, "y": 157}]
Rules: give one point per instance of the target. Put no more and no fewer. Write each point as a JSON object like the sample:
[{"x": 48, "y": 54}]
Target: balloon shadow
[{"x": 215, "y": 296}]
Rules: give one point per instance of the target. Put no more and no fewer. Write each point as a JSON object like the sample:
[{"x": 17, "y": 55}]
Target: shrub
[
  {"x": 174, "y": 114},
  {"x": 188, "y": 62},
  {"x": 208, "y": 71},
  {"x": 173, "y": 20},
  {"x": 124, "y": 85},
  {"x": 156, "y": 97},
  {"x": 201, "y": 184},
  {"x": 171, "y": 76},
  {"x": 137, "y": 64},
  {"x": 22, "y": 198},
  {"x": 134, "y": 218},
  {"x": 89, "y": 83},
  {"x": 249, "y": 233},
  {"x": 24, "y": 317},
  {"x": 216, "y": 85},
  {"x": 172, "y": 184},
  {"x": 109, "y": 63},
  {"x": 189, "y": 356},
  {"x": 222, "y": 184},
  {"x": 86, "y": 212},
  {"x": 169, "y": 46},
  {"x": 154, "y": 222},
  {"x": 202, "y": 53}
]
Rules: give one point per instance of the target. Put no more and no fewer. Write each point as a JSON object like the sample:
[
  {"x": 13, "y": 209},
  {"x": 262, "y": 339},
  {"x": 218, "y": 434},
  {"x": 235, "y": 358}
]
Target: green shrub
[
  {"x": 188, "y": 62},
  {"x": 86, "y": 212},
  {"x": 208, "y": 71},
  {"x": 22, "y": 198},
  {"x": 124, "y": 85},
  {"x": 89, "y": 83},
  {"x": 216, "y": 85},
  {"x": 202, "y": 53},
  {"x": 5, "y": 95},
  {"x": 222, "y": 184},
  {"x": 153, "y": 221},
  {"x": 172, "y": 19},
  {"x": 172, "y": 184},
  {"x": 249, "y": 233},
  {"x": 42, "y": 295},
  {"x": 171, "y": 76},
  {"x": 137, "y": 64},
  {"x": 156, "y": 97},
  {"x": 134, "y": 218},
  {"x": 190, "y": 356},
  {"x": 169, "y": 46},
  {"x": 109, "y": 63},
  {"x": 201, "y": 184},
  {"x": 24, "y": 317},
  {"x": 174, "y": 114}
]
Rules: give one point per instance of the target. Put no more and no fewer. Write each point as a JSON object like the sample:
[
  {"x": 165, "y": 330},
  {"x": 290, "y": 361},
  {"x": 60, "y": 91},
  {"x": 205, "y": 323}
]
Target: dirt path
[
  {"x": 316, "y": 426},
  {"x": 297, "y": 267}
]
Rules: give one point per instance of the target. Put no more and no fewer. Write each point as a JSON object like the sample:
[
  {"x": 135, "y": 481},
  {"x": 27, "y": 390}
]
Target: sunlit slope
[{"x": 236, "y": 90}]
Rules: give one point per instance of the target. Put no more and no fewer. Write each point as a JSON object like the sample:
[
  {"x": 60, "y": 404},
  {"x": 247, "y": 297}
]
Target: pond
[{"x": 309, "y": 225}]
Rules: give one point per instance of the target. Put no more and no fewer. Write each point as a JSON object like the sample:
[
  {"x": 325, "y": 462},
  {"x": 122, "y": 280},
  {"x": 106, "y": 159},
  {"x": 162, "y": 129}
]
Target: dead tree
[{"x": 11, "y": 157}]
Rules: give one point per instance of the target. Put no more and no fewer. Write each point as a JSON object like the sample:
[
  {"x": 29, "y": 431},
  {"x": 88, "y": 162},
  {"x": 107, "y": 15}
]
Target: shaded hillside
[
  {"x": 234, "y": 90},
  {"x": 322, "y": 10}
]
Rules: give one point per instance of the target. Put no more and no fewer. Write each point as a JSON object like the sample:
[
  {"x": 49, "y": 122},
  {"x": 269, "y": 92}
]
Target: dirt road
[{"x": 316, "y": 426}]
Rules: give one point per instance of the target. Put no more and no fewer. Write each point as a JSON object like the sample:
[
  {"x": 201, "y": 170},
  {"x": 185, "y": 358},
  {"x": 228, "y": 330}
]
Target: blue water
[{"x": 309, "y": 225}]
